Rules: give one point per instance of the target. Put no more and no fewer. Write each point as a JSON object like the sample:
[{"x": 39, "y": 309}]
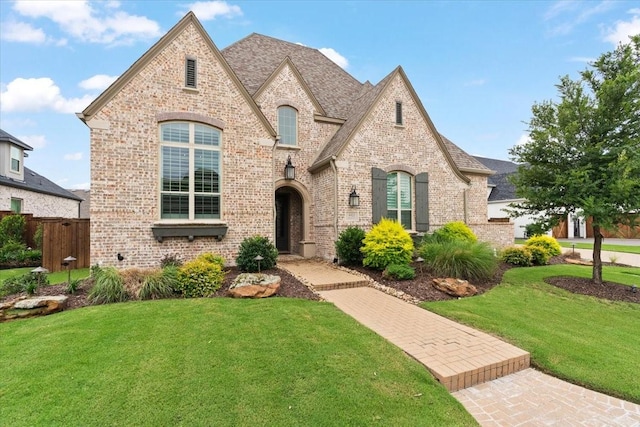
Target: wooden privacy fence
[{"x": 61, "y": 237}]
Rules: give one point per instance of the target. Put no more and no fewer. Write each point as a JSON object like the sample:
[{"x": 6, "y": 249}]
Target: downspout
[
  {"x": 273, "y": 180},
  {"x": 465, "y": 207},
  {"x": 335, "y": 197}
]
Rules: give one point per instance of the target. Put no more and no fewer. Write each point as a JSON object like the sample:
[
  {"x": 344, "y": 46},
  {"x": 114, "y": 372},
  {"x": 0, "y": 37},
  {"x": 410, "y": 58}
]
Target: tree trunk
[{"x": 597, "y": 261}]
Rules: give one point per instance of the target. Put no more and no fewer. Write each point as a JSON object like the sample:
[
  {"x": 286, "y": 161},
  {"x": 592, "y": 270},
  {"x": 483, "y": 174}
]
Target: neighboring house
[
  {"x": 24, "y": 191},
  {"x": 85, "y": 204},
  {"x": 194, "y": 149},
  {"x": 502, "y": 193}
]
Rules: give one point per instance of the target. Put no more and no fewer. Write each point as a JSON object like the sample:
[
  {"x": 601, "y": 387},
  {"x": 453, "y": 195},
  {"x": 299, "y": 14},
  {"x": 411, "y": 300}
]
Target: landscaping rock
[
  {"x": 31, "y": 307},
  {"x": 250, "y": 285},
  {"x": 455, "y": 287}
]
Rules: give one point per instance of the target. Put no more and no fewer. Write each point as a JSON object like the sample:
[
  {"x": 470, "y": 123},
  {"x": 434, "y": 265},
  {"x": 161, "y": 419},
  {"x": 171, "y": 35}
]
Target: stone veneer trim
[{"x": 190, "y": 117}]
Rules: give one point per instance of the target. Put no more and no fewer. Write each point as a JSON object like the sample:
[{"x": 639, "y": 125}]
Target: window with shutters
[
  {"x": 190, "y": 171},
  {"x": 399, "y": 113},
  {"x": 190, "y": 73},
  {"x": 399, "y": 199},
  {"x": 288, "y": 125}
]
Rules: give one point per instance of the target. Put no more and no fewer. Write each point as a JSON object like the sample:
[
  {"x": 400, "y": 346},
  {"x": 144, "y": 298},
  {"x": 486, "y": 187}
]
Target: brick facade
[{"x": 38, "y": 204}]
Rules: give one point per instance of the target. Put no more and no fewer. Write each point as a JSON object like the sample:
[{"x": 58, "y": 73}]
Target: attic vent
[
  {"x": 190, "y": 73},
  {"x": 398, "y": 112}
]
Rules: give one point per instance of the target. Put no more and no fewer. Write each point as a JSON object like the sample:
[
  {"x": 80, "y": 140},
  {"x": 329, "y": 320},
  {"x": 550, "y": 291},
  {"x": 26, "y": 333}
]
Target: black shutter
[
  {"x": 378, "y": 194},
  {"x": 422, "y": 202},
  {"x": 190, "y": 73}
]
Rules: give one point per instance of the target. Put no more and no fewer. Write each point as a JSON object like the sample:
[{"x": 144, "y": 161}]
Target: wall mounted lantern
[
  {"x": 354, "y": 198},
  {"x": 289, "y": 170}
]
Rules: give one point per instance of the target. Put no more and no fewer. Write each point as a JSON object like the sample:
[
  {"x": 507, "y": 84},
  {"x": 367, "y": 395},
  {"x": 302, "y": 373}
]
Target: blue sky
[{"x": 478, "y": 66}]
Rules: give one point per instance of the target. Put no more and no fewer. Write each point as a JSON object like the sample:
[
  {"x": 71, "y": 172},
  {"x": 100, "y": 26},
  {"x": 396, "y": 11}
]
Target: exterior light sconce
[
  {"x": 289, "y": 170},
  {"x": 354, "y": 198}
]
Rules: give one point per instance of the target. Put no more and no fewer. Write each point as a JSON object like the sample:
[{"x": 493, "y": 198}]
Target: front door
[{"x": 282, "y": 223}]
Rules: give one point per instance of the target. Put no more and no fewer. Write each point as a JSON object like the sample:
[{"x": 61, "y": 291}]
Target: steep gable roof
[
  {"x": 189, "y": 19},
  {"x": 255, "y": 57},
  {"x": 502, "y": 189},
  {"x": 39, "y": 184},
  {"x": 464, "y": 161},
  {"x": 7, "y": 137},
  {"x": 500, "y": 166}
]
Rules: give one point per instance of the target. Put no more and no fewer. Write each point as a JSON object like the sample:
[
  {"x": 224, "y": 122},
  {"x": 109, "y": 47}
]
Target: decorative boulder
[
  {"x": 455, "y": 287},
  {"x": 252, "y": 285},
  {"x": 31, "y": 307}
]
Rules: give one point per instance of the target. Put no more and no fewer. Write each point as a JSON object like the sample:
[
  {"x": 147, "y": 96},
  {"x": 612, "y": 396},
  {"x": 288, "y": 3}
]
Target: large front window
[
  {"x": 399, "y": 206},
  {"x": 190, "y": 171},
  {"x": 16, "y": 156},
  {"x": 288, "y": 125}
]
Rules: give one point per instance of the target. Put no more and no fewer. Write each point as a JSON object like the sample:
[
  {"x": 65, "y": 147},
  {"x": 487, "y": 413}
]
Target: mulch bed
[{"x": 419, "y": 288}]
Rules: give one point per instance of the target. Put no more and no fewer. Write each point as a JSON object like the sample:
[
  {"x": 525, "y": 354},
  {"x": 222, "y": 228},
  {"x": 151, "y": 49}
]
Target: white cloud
[
  {"x": 22, "y": 32},
  {"x": 476, "y": 82},
  {"x": 623, "y": 29},
  {"x": 81, "y": 186},
  {"x": 35, "y": 141},
  {"x": 335, "y": 56},
  {"x": 97, "y": 82},
  {"x": 524, "y": 139},
  {"x": 37, "y": 94},
  {"x": 102, "y": 24},
  {"x": 585, "y": 59},
  {"x": 569, "y": 14},
  {"x": 210, "y": 10},
  {"x": 73, "y": 156}
]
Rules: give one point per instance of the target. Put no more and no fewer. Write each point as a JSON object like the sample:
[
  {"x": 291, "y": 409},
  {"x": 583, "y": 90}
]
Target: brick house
[
  {"x": 189, "y": 149},
  {"x": 23, "y": 190}
]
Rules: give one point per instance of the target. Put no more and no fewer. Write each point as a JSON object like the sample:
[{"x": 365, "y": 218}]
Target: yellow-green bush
[
  {"x": 387, "y": 243},
  {"x": 516, "y": 255},
  {"x": 212, "y": 258},
  {"x": 199, "y": 278},
  {"x": 548, "y": 243},
  {"x": 454, "y": 231}
]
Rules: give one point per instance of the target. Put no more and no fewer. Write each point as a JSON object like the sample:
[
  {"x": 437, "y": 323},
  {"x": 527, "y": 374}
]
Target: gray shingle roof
[
  {"x": 463, "y": 161},
  {"x": 39, "y": 184},
  {"x": 7, "y": 137},
  {"x": 503, "y": 189},
  {"x": 255, "y": 57},
  {"x": 500, "y": 166}
]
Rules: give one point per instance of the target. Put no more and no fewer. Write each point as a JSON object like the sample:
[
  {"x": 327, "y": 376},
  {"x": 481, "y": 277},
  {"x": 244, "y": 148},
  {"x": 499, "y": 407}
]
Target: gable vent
[{"x": 190, "y": 73}]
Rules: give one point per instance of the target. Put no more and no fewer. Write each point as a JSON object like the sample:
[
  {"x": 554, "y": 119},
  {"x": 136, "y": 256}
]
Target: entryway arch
[{"x": 291, "y": 218}]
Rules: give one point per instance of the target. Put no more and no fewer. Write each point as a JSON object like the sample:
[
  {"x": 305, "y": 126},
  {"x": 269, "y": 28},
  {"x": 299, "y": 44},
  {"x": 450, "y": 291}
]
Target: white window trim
[
  {"x": 191, "y": 146},
  {"x": 15, "y": 154}
]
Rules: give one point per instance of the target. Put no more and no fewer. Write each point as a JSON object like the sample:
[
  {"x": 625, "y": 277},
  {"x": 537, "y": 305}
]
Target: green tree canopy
[{"x": 583, "y": 156}]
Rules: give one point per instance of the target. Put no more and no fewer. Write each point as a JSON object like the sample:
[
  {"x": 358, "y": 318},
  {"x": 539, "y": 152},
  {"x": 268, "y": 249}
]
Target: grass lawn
[
  {"x": 582, "y": 339},
  {"x": 218, "y": 361},
  {"x": 54, "y": 278},
  {"x": 589, "y": 245}
]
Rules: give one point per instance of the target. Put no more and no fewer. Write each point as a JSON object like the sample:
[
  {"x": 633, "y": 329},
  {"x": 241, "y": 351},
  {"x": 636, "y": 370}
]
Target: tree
[{"x": 583, "y": 156}]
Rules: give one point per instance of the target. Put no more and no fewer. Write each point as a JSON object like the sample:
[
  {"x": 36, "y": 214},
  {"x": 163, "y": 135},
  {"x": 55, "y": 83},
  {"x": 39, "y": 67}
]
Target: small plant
[
  {"x": 387, "y": 243},
  {"x": 170, "y": 260},
  {"x": 37, "y": 236},
  {"x": 12, "y": 229},
  {"x": 28, "y": 282},
  {"x": 159, "y": 284},
  {"x": 539, "y": 256},
  {"x": 199, "y": 278},
  {"x": 252, "y": 247},
  {"x": 613, "y": 259},
  {"x": 399, "y": 272},
  {"x": 348, "y": 246},
  {"x": 454, "y": 231},
  {"x": 460, "y": 259},
  {"x": 548, "y": 243},
  {"x": 516, "y": 255},
  {"x": 72, "y": 286},
  {"x": 108, "y": 287}
]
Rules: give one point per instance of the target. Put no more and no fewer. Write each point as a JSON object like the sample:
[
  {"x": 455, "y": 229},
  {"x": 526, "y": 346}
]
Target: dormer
[{"x": 12, "y": 154}]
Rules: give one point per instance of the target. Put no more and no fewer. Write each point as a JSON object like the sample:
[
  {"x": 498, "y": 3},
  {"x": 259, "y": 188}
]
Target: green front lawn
[
  {"x": 217, "y": 361},
  {"x": 589, "y": 245},
  {"x": 54, "y": 278},
  {"x": 582, "y": 339}
]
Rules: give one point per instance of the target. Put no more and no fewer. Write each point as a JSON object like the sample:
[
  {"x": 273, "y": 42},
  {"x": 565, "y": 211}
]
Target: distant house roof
[
  {"x": 7, "y": 137},
  {"x": 502, "y": 188},
  {"x": 39, "y": 184},
  {"x": 85, "y": 205}
]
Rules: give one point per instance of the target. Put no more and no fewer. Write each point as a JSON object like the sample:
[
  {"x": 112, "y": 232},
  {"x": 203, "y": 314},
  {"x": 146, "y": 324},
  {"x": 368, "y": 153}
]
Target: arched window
[
  {"x": 190, "y": 171},
  {"x": 399, "y": 203},
  {"x": 288, "y": 125}
]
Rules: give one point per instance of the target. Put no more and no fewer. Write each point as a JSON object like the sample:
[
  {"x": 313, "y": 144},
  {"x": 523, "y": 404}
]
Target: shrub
[
  {"x": 348, "y": 246},
  {"x": 28, "y": 282},
  {"x": 252, "y": 247},
  {"x": 387, "y": 243},
  {"x": 12, "y": 251},
  {"x": 199, "y": 278},
  {"x": 516, "y": 255},
  {"x": 213, "y": 258},
  {"x": 37, "y": 236},
  {"x": 460, "y": 259},
  {"x": 170, "y": 260},
  {"x": 548, "y": 243},
  {"x": 399, "y": 272},
  {"x": 12, "y": 228},
  {"x": 72, "y": 286},
  {"x": 454, "y": 231},
  {"x": 108, "y": 286},
  {"x": 531, "y": 230},
  {"x": 539, "y": 256},
  {"x": 159, "y": 284}
]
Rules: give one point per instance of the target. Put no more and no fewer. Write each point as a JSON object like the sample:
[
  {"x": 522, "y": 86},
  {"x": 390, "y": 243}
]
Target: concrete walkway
[{"x": 458, "y": 356}]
